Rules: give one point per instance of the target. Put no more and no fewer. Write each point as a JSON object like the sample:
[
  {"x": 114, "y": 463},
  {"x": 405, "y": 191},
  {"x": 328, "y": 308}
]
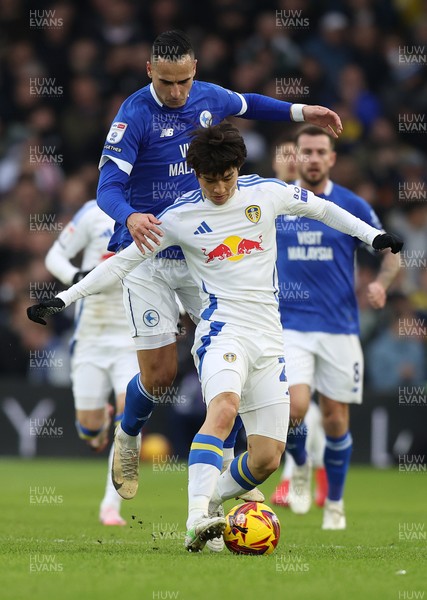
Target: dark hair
[
  {"x": 313, "y": 130},
  {"x": 171, "y": 45},
  {"x": 216, "y": 149}
]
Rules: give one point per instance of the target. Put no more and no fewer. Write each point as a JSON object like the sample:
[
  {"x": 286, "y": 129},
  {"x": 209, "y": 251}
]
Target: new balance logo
[
  {"x": 167, "y": 133},
  {"x": 203, "y": 228}
]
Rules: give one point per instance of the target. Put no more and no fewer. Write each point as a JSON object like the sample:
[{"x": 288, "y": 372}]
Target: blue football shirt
[
  {"x": 315, "y": 267},
  {"x": 149, "y": 142}
]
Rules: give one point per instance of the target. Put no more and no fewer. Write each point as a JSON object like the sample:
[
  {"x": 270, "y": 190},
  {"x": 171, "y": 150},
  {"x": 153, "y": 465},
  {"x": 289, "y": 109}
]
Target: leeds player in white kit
[
  {"x": 103, "y": 355},
  {"x": 238, "y": 347}
]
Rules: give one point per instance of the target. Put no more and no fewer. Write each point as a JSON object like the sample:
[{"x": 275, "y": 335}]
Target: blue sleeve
[
  {"x": 110, "y": 193},
  {"x": 265, "y": 108},
  {"x": 125, "y": 137}
]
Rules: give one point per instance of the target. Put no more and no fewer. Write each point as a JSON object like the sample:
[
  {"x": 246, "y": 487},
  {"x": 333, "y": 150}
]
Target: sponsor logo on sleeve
[{"x": 117, "y": 131}]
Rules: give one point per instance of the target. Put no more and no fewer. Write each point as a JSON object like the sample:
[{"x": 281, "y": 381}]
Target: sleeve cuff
[{"x": 296, "y": 112}]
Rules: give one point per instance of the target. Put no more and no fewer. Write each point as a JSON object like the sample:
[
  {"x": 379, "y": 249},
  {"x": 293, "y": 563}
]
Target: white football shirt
[{"x": 230, "y": 249}]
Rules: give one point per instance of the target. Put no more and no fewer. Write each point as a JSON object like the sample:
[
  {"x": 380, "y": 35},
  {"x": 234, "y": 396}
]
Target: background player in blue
[
  {"x": 320, "y": 319},
  {"x": 143, "y": 170}
]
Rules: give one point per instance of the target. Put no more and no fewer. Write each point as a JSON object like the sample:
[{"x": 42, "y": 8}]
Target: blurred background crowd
[{"x": 67, "y": 66}]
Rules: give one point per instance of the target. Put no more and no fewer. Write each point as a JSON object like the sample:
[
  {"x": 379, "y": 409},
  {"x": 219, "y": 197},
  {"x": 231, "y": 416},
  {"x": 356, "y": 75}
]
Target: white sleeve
[
  {"x": 301, "y": 202},
  {"x": 71, "y": 241},
  {"x": 118, "y": 266},
  {"x": 105, "y": 274}
]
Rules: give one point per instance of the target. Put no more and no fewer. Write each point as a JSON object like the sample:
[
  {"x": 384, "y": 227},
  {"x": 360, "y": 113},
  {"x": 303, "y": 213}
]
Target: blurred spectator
[
  {"x": 62, "y": 84},
  {"x": 397, "y": 356},
  {"x": 331, "y": 46}
]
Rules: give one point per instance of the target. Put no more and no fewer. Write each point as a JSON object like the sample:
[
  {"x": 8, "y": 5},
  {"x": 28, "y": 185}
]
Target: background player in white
[
  {"x": 321, "y": 324},
  {"x": 143, "y": 169},
  {"x": 103, "y": 355},
  {"x": 285, "y": 168},
  {"x": 238, "y": 347}
]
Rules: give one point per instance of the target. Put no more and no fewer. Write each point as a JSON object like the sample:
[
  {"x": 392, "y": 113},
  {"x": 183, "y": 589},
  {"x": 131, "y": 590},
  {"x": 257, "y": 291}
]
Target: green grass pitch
[{"x": 52, "y": 545}]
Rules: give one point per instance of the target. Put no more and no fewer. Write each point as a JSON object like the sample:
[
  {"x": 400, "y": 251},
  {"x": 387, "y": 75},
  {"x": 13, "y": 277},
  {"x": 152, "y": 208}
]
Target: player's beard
[{"x": 313, "y": 179}]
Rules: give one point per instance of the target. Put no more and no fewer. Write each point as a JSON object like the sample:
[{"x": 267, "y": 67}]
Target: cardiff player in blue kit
[
  {"x": 321, "y": 324},
  {"x": 143, "y": 169}
]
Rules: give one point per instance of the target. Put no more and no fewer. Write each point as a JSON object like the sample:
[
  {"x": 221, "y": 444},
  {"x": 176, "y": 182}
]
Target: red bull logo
[{"x": 233, "y": 248}]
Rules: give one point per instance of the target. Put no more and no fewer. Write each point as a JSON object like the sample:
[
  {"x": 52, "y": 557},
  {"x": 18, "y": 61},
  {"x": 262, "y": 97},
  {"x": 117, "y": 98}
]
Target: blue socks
[
  {"x": 240, "y": 473},
  {"x": 230, "y": 442},
  {"x": 295, "y": 445},
  {"x": 85, "y": 433},
  {"x": 139, "y": 405},
  {"x": 337, "y": 461}
]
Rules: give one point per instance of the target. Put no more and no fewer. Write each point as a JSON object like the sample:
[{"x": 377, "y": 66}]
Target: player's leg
[
  {"x": 204, "y": 466},
  {"x": 188, "y": 296},
  {"x": 152, "y": 314},
  {"x": 339, "y": 380},
  {"x": 264, "y": 452},
  {"x": 316, "y": 447},
  {"x": 300, "y": 364},
  {"x": 91, "y": 390},
  {"x": 264, "y": 410},
  {"x": 337, "y": 456},
  {"x": 222, "y": 364},
  {"x": 254, "y": 495},
  {"x": 123, "y": 365},
  {"x": 139, "y": 405},
  {"x": 280, "y": 496},
  {"x": 109, "y": 510}
]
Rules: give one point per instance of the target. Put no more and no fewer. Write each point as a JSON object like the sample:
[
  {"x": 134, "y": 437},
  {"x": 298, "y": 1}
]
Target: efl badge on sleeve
[
  {"x": 253, "y": 213},
  {"x": 229, "y": 357},
  {"x": 117, "y": 131}
]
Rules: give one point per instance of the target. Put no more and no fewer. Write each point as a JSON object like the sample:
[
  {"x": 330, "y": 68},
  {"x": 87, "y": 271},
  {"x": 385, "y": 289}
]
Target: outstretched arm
[
  {"x": 298, "y": 201},
  {"x": 99, "y": 279},
  {"x": 105, "y": 274},
  {"x": 377, "y": 290},
  {"x": 269, "y": 109}
]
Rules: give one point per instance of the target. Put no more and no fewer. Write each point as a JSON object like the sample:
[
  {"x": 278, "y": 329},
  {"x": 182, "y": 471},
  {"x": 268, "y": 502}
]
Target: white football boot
[
  {"x": 333, "y": 515},
  {"x": 202, "y": 530},
  {"x": 125, "y": 469},
  {"x": 300, "y": 488}
]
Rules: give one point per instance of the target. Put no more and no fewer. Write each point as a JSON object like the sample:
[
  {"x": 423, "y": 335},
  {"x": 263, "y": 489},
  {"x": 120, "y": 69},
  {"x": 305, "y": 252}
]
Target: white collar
[{"x": 155, "y": 96}]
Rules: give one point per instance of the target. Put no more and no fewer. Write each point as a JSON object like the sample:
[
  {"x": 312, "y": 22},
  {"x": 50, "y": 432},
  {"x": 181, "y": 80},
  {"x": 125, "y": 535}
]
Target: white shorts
[
  {"x": 330, "y": 363},
  {"x": 254, "y": 359},
  {"x": 97, "y": 370},
  {"x": 150, "y": 302},
  {"x": 269, "y": 421}
]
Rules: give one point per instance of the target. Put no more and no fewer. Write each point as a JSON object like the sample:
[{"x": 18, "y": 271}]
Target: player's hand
[
  {"x": 376, "y": 295},
  {"x": 38, "y": 312},
  {"x": 323, "y": 117},
  {"x": 79, "y": 276},
  {"x": 388, "y": 240},
  {"x": 143, "y": 228}
]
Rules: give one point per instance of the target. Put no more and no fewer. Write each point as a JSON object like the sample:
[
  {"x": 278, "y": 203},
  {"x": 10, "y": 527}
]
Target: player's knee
[
  {"x": 335, "y": 423},
  {"x": 227, "y": 411}
]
